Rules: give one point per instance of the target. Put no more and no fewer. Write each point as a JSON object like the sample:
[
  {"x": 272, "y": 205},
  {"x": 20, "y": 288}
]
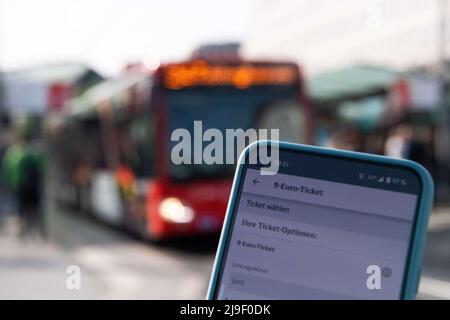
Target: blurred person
[
  {"x": 416, "y": 150},
  {"x": 22, "y": 168},
  {"x": 405, "y": 143},
  {"x": 398, "y": 141},
  {"x": 420, "y": 149},
  {"x": 6, "y": 139}
]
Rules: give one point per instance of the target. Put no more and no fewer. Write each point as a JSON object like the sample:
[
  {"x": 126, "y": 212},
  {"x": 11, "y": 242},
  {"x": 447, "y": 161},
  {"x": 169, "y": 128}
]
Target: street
[{"x": 114, "y": 265}]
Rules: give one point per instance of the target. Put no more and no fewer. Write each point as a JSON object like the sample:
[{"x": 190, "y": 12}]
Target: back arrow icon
[{"x": 255, "y": 181}]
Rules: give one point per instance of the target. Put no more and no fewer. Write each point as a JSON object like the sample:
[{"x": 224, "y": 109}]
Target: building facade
[{"x": 324, "y": 35}]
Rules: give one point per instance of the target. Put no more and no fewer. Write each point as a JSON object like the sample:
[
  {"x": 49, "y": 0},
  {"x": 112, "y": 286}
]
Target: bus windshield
[{"x": 226, "y": 107}]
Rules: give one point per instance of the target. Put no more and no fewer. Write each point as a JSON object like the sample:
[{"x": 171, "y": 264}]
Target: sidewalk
[
  {"x": 34, "y": 269},
  {"x": 113, "y": 265}
]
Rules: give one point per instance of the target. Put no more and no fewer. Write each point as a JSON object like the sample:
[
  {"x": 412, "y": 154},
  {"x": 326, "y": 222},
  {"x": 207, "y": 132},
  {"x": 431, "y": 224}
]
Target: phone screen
[{"x": 323, "y": 227}]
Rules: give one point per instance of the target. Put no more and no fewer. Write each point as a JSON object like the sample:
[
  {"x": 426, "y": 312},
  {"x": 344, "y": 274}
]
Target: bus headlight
[{"x": 172, "y": 210}]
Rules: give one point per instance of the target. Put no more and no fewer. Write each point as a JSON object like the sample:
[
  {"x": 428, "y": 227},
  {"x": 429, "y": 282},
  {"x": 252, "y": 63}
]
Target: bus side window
[
  {"x": 143, "y": 136},
  {"x": 94, "y": 148},
  {"x": 136, "y": 141}
]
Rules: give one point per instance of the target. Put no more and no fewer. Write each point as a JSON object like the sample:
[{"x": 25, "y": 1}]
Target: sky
[{"x": 107, "y": 34}]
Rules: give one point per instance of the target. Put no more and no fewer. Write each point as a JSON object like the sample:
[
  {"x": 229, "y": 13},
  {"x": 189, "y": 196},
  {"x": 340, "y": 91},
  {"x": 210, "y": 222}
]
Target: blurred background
[{"x": 91, "y": 90}]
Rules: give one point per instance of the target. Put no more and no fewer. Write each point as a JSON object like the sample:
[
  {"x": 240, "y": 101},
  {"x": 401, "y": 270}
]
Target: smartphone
[{"x": 328, "y": 224}]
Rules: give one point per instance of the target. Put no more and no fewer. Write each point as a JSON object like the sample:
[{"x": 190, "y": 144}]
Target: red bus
[{"x": 114, "y": 145}]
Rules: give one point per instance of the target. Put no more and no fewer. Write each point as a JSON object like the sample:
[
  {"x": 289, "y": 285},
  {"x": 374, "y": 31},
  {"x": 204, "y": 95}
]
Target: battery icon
[{"x": 388, "y": 179}]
